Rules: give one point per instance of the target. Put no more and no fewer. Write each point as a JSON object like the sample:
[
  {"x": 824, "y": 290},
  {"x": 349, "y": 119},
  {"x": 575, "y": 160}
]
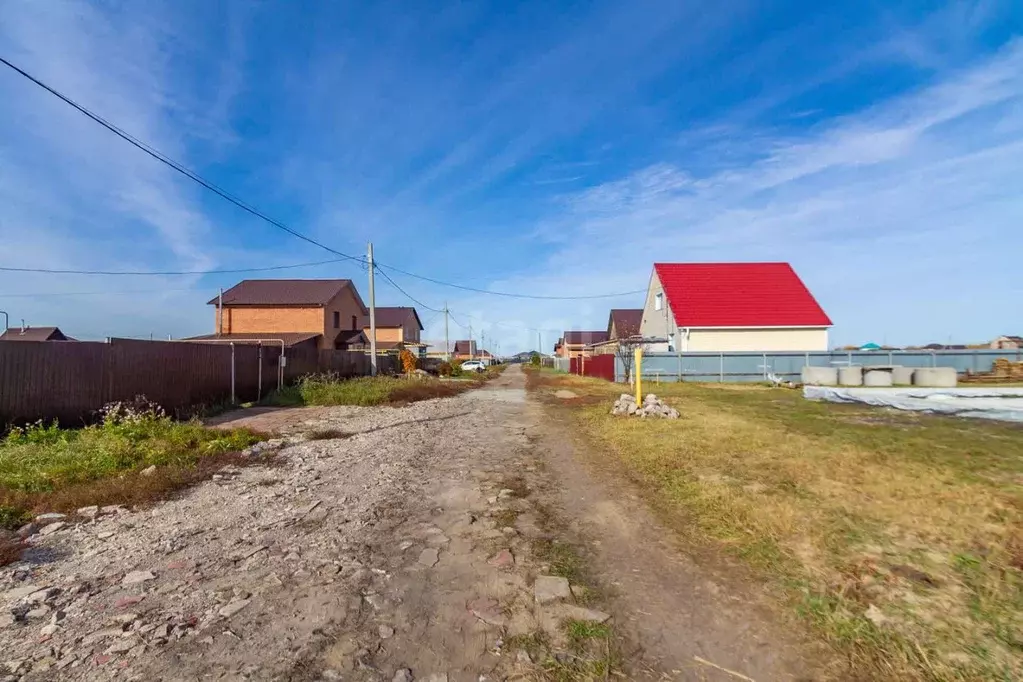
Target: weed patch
[
  {"x": 330, "y": 390},
  {"x": 46, "y": 468}
]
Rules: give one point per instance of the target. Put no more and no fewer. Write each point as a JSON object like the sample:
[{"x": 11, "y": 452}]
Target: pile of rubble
[{"x": 652, "y": 407}]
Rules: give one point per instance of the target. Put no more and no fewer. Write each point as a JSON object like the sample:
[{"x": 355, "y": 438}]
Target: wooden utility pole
[
  {"x": 447, "y": 340},
  {"x": 372, "y": 316}
]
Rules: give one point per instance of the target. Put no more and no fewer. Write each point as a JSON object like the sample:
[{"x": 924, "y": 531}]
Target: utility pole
[
  {"x": 470, "y": 340},
  {"x": 539, "y": 343},
  {"x": 372, "y": 316},
  {"x": 220, "y": 312},
  {"x": 7, "y": 320},
  {"x": 483, "y": 344},
  {"x": 447, "y": 341}
]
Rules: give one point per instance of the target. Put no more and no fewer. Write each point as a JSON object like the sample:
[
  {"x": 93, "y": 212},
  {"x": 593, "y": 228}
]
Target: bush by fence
[{"x": 69, "y": 381}]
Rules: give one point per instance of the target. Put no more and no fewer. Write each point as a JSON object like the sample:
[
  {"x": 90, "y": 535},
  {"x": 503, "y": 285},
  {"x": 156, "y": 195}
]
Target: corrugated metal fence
[
  {"x": 751, "y": 367},
  {"x": 69, "y": 381}
]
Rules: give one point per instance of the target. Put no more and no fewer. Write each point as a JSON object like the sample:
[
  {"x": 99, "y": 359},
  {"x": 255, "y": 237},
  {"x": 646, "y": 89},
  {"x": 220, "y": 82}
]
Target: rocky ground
[{"x": 376, "y": 544}]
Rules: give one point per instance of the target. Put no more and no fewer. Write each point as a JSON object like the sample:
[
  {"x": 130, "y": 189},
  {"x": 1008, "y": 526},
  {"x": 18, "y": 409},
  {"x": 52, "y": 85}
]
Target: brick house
[
  {"x": 329, "y": 309},
  {"x": 397, "y": 327},
  {"x": 465, "y": 350},
  {"x": 575, "y": 344}
]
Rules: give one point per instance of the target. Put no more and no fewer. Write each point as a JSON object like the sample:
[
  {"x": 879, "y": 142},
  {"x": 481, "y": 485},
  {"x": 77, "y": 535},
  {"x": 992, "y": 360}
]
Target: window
[
  {"x": 659, "y": 301},
  {"x": 355, "y": 322},
  {"x": 337, "y": 320}
]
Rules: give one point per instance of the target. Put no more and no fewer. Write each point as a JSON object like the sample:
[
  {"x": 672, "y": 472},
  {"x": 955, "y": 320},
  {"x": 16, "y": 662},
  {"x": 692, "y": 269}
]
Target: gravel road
[{"x": 394, "y": 545}]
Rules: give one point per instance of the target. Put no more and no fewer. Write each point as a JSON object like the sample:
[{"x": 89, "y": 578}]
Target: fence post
[
  {"x": 233, "y": 400},
  {"x": 934, "y": 359},
  {"x": 721, "y": 368},
  {"x": 891, "y": 359},
  {"x": 259, "y": 373},
  {"x": 765, "y": 366}
]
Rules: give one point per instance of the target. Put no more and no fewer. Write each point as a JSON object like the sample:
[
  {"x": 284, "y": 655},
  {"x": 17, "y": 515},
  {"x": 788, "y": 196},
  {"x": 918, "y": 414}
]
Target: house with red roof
[{"x": 716, "y": 307}]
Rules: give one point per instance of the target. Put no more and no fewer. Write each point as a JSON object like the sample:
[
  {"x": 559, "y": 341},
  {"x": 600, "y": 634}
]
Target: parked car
[{"x": 473, "y": 366}]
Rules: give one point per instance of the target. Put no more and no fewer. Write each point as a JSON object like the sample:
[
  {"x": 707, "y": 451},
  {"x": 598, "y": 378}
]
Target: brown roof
[
  {"x": 351, "y": 336},
  {"x": 34, "y": 334},
  {"x": 585, "y": 338},
  {"x": 395, "y": 316},
  {"x": 465, "y": 348},
  {"x": 289, "y": 338},
  {"x": 626, "y": 322},
  {"x": 286, "y": 292}
]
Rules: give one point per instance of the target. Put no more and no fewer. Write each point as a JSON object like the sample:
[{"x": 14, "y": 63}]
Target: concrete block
[
  {"x": 850, "y": 376},
  {"x": 820, "y": 376},
  {"x": 902, "y": 376},
  {"x": 877, "y": 377},
  {"x": 935, "y": 377}
]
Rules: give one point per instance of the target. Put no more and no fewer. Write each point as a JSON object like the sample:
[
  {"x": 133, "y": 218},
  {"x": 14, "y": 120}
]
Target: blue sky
[{"x": 544, "y": 148}]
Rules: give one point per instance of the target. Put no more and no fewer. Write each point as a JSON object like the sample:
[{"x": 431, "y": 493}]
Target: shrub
[
  {"x": 444, "y": 369},
  {"x": 408, "y": 361}
]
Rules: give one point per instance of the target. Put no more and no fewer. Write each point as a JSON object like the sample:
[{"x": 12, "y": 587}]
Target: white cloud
[{"x": 903, "y": 219}]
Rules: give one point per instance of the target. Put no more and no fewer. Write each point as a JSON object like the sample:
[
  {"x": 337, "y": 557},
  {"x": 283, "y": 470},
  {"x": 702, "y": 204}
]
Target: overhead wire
[
  {"x": 138, "y": 273},
  {"x": 224, "y": 194},
  {"x": 506, "y": 293},
  {"x": 159, "y": 156}
]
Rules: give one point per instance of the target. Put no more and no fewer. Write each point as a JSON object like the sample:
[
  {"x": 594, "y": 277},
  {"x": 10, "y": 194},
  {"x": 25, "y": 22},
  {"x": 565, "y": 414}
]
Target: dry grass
[
  {"x": 898, "y": 537},
  {"x": 369, "y": 391}
]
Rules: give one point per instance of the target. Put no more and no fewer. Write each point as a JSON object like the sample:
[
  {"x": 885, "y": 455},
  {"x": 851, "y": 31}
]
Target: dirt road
[{"x": 381, "y": 544}]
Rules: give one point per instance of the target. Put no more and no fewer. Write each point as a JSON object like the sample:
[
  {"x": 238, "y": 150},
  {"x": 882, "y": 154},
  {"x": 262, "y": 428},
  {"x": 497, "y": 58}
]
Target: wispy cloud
[{"x": 892, "y": 215}]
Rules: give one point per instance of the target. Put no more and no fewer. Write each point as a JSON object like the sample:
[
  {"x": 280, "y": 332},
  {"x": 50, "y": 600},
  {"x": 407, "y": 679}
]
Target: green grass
[
  {"x": 45, "y": 458},
  {"x": 327, "y": 390},
  {"x": 897, "y": 537},
  {"x": 46, "y": 468}
]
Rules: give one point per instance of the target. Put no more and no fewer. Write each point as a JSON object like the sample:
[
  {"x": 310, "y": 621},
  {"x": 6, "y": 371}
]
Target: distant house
[
  {"x": 622, "y": 323},
  {"x": 731, "y": 307},
  {"x": 464, "y": 350},
  {"x": 578, "y": 344},
  {"x": 35, "y": 334},
  {"x": 328, "y": 309},
  {"x": 559, "y": 348},
  {"x": 1008, "y": 343},
  {"x": 397, "y": 327}
]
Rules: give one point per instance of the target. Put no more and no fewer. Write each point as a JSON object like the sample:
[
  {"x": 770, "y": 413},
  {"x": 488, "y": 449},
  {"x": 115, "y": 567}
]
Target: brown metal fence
[{"x": 70, "y": 381}]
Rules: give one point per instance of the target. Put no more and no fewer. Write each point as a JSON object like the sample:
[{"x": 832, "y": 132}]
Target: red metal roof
[{"x": 739, "y": 295}]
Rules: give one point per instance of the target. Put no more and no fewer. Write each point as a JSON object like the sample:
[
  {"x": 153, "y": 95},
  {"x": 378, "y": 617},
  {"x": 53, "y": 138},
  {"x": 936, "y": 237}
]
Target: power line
[
  {"x": 224, "y": 194},
  {"x": 137, "y": 273},
  {"x": 174, "y": 164},
  {"x": 509, "y": 294},
  {"x": 407, "y": 294}
]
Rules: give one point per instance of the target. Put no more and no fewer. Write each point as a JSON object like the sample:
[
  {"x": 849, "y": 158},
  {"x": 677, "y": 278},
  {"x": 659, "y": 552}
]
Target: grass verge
[
  {"x": 123, "y": 460},
  {"x": 329, "y": 390},
  {"x": 897, "y": 537}
]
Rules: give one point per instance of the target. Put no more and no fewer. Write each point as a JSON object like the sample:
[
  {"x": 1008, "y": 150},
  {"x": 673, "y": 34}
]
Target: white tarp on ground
[{"x": 1003, "y": 404}]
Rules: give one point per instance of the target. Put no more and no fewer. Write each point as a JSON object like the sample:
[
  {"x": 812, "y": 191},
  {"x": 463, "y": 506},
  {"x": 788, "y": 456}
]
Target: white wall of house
[
  {"x": 656, "y": 324},
  {"x": 768, "y": 339}
]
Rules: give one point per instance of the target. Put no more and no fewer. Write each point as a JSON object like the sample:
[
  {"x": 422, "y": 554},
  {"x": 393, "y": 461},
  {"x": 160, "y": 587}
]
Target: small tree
[
  {"x": 626, "y": 353},
  {"x": 408, "y": 361},
  {"x": 534, "y": 359}
]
